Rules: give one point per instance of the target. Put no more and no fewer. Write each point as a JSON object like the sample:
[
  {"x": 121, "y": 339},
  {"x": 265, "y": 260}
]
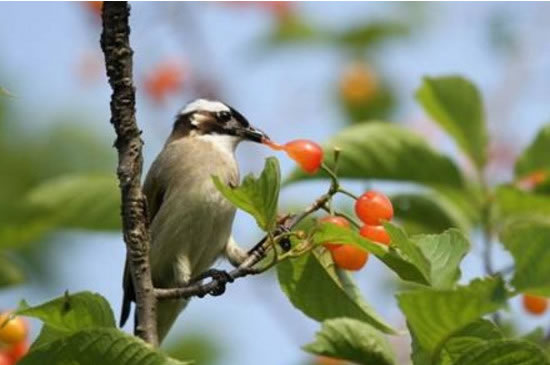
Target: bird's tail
[{"x": 167, "y": 312}]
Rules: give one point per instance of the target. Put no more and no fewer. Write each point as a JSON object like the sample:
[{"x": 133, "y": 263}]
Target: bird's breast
[{"x": 194, "y": 222}]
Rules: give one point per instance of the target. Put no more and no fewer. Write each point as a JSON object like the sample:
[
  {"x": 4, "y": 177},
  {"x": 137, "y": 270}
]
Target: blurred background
[{"x": 295, "y": 70}]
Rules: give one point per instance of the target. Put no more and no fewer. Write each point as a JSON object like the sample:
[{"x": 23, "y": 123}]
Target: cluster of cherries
[
  {"x": 14, "y": 343},
  {"x": 372, "y": 208}
]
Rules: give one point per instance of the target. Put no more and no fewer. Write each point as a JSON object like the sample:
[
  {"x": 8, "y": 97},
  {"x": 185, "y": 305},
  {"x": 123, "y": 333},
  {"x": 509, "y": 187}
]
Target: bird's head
[{"x": 214, "y": 119}]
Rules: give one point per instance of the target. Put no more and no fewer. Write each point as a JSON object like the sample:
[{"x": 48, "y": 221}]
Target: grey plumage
[{"x": 190, "y": 220}]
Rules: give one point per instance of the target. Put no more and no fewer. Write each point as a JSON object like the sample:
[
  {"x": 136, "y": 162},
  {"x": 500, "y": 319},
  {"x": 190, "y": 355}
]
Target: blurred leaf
[
  {"x": 353, "y": 340},
  {"x": 315, "y": 287},
  {"x": 105, "y": 346},
  {"x": 371, "y": 34},
  {"x": 456, "y": 105},
  {"x": 406, "y": 261},
  {"x": 89, "y": 202},
  {"x": 512, "y": 203},
  {"x": 201, "y": 348},
  {"x": 429, "y": 212},
  {"x": 16, "y": 235},
  {"x": 529, "y": 244},
  {"x": 293, "y": 29},
  {"x": 5, "y": 92},
  {"x": 536, "y": 335},
  {"x": 80, "y": 201},
  {"x": 470, "y": 201},
  {"x": 381, "y": 150},
  {"x": 258, "y": 197},
  {"x": 434, "y": 314},
  {"x": 537, "y": 155},
  {"x": 10, "y": 273},
  {"x": 68, "y": 314},
  {"x": 463, "y": 340},
  {"x": 503, "y": 352}
]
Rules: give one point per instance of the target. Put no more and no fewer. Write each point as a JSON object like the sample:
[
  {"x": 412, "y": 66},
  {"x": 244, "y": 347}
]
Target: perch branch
[
  {"x": 115, "y": 44},
  {"x": 255, "y": 255}
]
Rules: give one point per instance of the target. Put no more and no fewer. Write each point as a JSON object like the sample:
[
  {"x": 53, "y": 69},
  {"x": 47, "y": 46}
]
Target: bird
[{"x": 190, "y": 221}]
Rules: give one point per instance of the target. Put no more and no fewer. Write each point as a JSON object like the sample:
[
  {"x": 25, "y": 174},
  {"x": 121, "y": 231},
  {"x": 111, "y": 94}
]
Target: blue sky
[{"x": 288, "y": 93}]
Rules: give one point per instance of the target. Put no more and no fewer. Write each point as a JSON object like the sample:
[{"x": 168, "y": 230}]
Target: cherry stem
[
  {"x": 273, "y": 145},
  {"x": 348, "y": 193},
  {"x": 344, "y": 215}
]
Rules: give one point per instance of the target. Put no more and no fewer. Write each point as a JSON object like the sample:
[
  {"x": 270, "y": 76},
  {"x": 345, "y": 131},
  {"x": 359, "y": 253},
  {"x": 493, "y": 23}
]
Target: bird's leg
[{"x": 221, "y": 278}]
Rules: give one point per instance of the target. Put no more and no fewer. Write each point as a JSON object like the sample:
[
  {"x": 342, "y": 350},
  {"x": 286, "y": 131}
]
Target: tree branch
[
  {"x": 115, "y": 44},
  {"x": 255, "y": 255}
]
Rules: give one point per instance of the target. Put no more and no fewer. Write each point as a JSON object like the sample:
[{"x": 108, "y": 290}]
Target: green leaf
[
  {"x": 512, "y": 203},
  {"x": 434, "y": 314},
  {"x": 258, "y": 197},
  {"x": 293, "y": 29},
  {"x": 536, "y": 157},
  {"x": 428, "y": 213},
  {"x": 463, "y": 340},
  {"x": 352, "y": 340},
  {"x": 10, "y": 273},
  {"x": 444, "y": 252},
  {"x": 456, "y": 105},
  {"x": 402, "y": 257},
  {"x": 78, "y": 201},
  {"x": 503, "y": 352},
  {"x": 314, "y": 286},
  {"x": 370, "y": 34},
  {"x": 408, "y": 250},
  {"x": 381, "y": 150},
  {"x": 68, "y": 314},
  {"x": 203, "y": 348},
  {"x": 529, "y": 244},
  {"x": 105, "y": 346}
]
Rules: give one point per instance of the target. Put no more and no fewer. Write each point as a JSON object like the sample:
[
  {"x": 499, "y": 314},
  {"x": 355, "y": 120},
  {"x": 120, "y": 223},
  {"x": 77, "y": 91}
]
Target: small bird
[{"x": 190, "y": 221}]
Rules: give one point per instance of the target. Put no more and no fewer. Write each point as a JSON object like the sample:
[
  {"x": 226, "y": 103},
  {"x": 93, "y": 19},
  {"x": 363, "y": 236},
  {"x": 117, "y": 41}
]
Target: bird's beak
[{"x": 253, "y": 134}]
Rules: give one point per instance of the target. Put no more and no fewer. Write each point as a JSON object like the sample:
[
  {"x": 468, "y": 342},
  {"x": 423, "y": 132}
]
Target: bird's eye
[{"x": 224, "y": 116}]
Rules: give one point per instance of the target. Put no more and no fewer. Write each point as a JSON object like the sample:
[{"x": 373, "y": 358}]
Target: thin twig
[{"x": 115, "y": 43}]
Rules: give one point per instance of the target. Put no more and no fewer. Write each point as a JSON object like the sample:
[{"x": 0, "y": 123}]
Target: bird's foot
[{"x": 220, "y": 277}]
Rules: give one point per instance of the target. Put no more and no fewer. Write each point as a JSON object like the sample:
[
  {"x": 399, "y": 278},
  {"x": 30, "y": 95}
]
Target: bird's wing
[{"x": 154, "y": 190}]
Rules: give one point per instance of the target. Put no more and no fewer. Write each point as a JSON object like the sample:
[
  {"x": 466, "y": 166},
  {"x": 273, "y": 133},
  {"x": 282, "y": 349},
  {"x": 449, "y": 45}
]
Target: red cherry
[
  {"x": 349, "y": 257},
  {"x": 534, "y": 304},
  {"x": 165, "y": 79},
  {"x": 308, "y": 154},
  {"x": 339, "y": 221},
  {"x": 18, "y": 350},
  {"x": 5, "y": 359},
  {"x": 373, "y": 208},
  {"x": 375, "y": 233}
]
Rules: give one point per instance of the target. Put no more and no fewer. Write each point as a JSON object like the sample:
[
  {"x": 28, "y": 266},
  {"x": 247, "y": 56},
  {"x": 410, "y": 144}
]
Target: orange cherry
[
  {"x": 534, "y": 304},
  {"x": 376, "y": 234},
  {"x": 373, "y": 207},
  {"x": 12, "y": 331},
  {"x": 349, "y": 257},
  {"x": 339, "y": 221}
]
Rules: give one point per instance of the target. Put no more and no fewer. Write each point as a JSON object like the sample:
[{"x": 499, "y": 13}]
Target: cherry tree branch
[
  {"x": 115, "y": 44},
  {"x": 255, "y": 255}
]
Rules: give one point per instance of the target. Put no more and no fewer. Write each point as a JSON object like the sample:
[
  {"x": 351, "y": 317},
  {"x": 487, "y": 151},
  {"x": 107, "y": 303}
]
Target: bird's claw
[{"x": 220, "y": 277}]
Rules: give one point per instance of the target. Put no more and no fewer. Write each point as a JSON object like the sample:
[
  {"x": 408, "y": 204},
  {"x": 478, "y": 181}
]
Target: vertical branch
[{"x": 115, "y": 44}]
